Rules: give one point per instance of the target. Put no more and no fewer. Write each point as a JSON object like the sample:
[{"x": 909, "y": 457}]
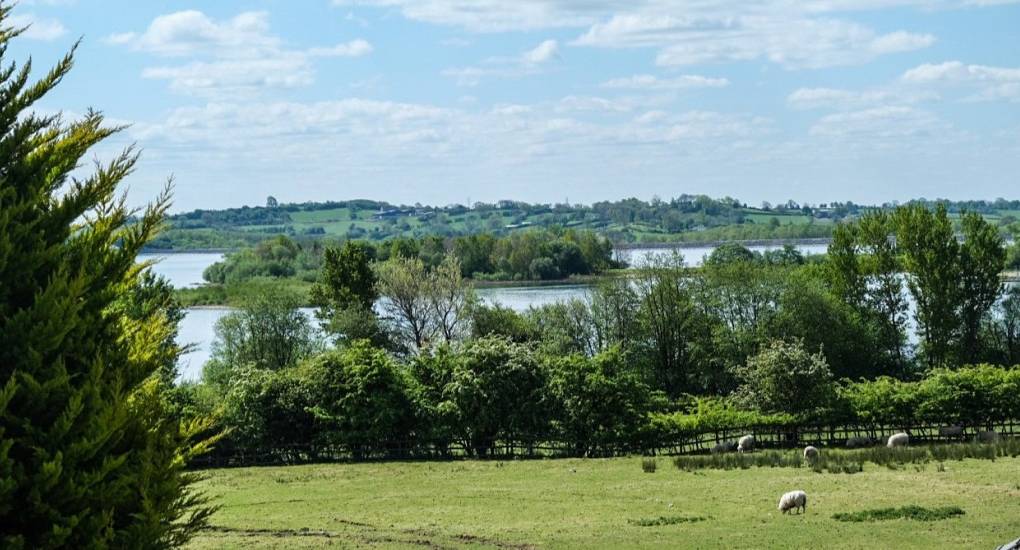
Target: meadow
[{"x": 610, "y": 503}]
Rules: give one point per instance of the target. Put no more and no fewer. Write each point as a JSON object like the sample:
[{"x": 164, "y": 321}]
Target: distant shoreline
[
  {"x": 616, "y": 246},
  {"x": 168, "y": 251},
  {"x": 746, "y": 242}
]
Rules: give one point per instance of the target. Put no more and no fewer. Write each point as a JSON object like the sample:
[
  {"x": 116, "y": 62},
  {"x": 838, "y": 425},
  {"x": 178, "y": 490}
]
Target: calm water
[
  {"x": 197, "y": 328},
  {"x": 182, "y": 270},
  {"x": 695, "y": 255}
]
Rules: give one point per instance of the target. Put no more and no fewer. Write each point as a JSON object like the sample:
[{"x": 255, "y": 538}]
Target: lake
[
  {"x": 183, "y": 269},
  {"x": 197, "y": 328},
  {"x": 695, "y": 255}
]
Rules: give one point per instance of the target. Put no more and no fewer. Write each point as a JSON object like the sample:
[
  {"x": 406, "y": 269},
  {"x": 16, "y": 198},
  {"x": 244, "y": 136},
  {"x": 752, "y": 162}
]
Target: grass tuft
[
  {"x": 649, "y": 465},
  {"x": 913, "y": 512},
  {"x": 666, "y": 520}
]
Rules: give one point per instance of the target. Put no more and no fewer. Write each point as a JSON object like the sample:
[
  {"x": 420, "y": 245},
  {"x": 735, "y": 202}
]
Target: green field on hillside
[{"x": 602, "y": 504}]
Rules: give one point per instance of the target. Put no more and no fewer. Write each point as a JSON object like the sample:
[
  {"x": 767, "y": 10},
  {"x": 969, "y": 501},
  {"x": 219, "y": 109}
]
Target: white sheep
[
  {"x": 793, "y": 500},
  {"x": 745, "y": 443},
  {"x": 810, "y": 453},
  {"x": 898, "y": 440}
]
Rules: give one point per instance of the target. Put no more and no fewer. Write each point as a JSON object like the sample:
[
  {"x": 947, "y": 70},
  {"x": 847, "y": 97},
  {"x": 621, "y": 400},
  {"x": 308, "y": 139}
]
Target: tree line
[
  {"x": 409, "y": 355},
  {"x": 528, "y": 255}
]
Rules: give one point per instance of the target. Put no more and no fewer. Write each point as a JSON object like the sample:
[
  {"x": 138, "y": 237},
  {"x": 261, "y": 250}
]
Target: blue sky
[{"x": 441, "y": 101}]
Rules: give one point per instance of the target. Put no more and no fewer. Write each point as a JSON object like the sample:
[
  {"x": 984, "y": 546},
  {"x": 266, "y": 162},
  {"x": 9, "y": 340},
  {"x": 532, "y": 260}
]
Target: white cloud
[
  {"x": 989, "y": 83},
  {"x": 687, "y": 40},
  {"x": 523, "y": 15},
  {"x": 901, "y": 41},
  {"x": 586, "y": 145},
  {"x": 47, "y": 2},
  {"x": 527, "y": 63},
  {"x": 354, "y": 48},
  {"x": 590, "y": 103},
  {"x": 793, "y": 34},
  {"x": 652, "y": 82},
  {"x": 831, "y": 98},
  {"x": 235, "y": 55},
  {"x": 493, "y": 15},
  {"x": 545, "y": 51},
  {"x": 39, "y": 28},
  {"x": 235, "y": 75},
  {"x": 896, "y": 122},
  {"x": 392, "y": 134},
  {"x": 192, "y": 32}
]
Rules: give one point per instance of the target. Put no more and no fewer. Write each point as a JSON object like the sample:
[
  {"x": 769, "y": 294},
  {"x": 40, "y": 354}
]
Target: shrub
[
  {"x": 362, "y": 396},
  {"x": 649, "y": 465},
  {"x": 849, "y": 461},
  {"x": 601, "y": 405},
  {"x": 785, "y": 377}
]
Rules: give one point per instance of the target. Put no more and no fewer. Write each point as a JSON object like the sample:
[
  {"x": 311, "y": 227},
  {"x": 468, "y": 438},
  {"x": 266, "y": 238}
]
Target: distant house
[
  {"x": 517, "y": 225},
  {"x": 392, "y": 213}
]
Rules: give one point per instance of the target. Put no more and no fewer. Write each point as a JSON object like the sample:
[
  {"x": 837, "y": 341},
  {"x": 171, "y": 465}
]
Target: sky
[{"x": 459, "y": 101}]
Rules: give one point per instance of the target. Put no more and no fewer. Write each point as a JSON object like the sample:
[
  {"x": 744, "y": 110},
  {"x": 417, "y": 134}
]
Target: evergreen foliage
[{"x": 90, "y": 454}]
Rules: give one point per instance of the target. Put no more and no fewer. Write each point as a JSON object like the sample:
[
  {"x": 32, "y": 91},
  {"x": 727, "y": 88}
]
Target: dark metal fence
[{"x": 766, "y": 437}]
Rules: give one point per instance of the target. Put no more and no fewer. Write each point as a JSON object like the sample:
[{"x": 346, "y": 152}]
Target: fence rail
[{"x": 766, "y": 437}]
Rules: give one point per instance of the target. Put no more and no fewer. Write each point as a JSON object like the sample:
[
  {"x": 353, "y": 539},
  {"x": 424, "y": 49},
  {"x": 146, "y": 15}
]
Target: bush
[
  {"x": 486, "y": 390},
  {"x": 974, "y": 395},
  {"x": 709, "y": 415},
  {"x": 601, "y": 405},
  {"x": 784, "y": 377},
  {"x": 362, "y": 397}
]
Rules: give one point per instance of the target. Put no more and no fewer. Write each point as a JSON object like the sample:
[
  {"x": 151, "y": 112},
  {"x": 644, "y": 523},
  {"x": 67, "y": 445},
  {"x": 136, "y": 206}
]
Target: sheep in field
[
  {"x": 898, "y": 440},
  {"x": 793, "y": 500},
  {"x": 810, "y": 453},
  {"x": 745, "y": 444}
]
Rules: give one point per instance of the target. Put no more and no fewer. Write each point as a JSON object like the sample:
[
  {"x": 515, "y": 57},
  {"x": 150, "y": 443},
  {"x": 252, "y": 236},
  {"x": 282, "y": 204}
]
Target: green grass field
[{"x": 600, "y": 504}]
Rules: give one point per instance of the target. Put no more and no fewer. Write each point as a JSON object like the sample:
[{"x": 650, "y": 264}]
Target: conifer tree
[{"x": 90, "y": 457}]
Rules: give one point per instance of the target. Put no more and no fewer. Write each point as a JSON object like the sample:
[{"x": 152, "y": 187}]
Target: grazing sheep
[
  {"x": 991, "y": 436},
  {"x": 745, "y": 444},
  {"x": 951, "y": 431},
  {"x": 810, "y": 453},
  {"x": 793, "y": 500},
  {"x": 898, "y": 440}
]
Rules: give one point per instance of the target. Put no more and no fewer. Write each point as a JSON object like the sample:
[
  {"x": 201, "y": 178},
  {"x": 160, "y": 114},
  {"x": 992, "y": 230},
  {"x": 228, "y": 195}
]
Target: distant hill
[{"x": 687, "y": 218}]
